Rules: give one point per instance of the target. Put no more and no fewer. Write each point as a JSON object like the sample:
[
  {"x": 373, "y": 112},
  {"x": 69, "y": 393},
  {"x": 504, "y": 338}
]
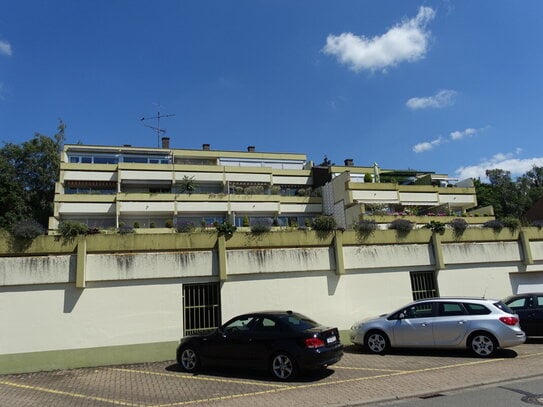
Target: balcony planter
[{"x": 422, "y": 220}]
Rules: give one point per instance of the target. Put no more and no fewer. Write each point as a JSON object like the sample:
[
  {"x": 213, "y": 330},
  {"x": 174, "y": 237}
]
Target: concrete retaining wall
[{"x": 118, "y": 299}]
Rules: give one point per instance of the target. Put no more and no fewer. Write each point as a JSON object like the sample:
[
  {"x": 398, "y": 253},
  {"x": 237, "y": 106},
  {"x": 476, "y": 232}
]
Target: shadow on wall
[
  {"x": 71, "y": 296},
  {"x": 332, "y": 279}
]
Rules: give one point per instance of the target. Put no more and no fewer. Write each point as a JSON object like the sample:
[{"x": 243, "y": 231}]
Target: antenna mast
[{"x": 158, "y": 130}]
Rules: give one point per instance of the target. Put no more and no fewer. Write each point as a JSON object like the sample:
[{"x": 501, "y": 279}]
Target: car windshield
[
  {"x": 503, "y": 307},
  {"x": 299, "y": 322}
]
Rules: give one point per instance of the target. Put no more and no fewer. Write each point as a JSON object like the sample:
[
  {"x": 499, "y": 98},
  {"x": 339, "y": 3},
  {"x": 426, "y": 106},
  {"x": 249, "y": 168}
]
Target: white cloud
[
  {"x": 507, "y": 162},
  {"x": 5, "y": 48},
  {"x": 453, "y": 136},
  {"x": 443, "y": 98},
  {"x": 457, "y": 135},
  {"x": 407, "y": 41},
  {"x": 427, "y": 145}
]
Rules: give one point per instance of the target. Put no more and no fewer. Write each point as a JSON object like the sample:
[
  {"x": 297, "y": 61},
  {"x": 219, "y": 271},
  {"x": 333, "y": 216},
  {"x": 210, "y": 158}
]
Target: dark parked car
[
  {"x": 284, "y": 342},
  {"x": 529, "y": 308}
]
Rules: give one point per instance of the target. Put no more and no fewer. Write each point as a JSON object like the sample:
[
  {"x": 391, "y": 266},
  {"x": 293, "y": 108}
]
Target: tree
[
  {"x": 27, "y": 179},
  {"x": 187, "y": 184},
  {"x": 531, "y": 185},
  {"x": 510, "y": 198},
  {"x": 326, "y": 162}
]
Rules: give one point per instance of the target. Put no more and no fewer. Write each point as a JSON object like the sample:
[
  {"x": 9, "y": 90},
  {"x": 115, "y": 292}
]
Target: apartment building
[
  {"x": 356, "y": 193},
  {"x": 110, "y": 186}
]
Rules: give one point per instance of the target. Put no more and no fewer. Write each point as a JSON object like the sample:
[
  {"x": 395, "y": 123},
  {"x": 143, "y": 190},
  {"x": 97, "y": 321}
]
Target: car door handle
[
  {"x": 425, "y": 324},
  {"x": 461, "y": 322}
]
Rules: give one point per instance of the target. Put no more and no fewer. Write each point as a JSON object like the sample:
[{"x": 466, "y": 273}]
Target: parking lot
[{"x": 357, "y": 379}]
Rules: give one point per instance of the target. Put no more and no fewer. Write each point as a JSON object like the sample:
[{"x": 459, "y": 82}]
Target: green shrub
[
  {"x": 136, "y": 225},
  {"x": 511, "y": 223},
  {"x": 292, "y": 222},
  {"x": 261, "y": 226},
  {"x": 187, "y": 184},
  {"x": 26, "y": 229},
  {"x": 458, "y": 225},
  {"x": 435, "y": 226},
  {"x": 366, "y": 226},
  {"x": 324, "y": 223},
  {"x": 169, "y": 223},
  {"x": 245, "y": 221},
  {"x": 185, "y": 226},
  {"x": 494, "y": 224},
  {"x": 226, "y": 229},
  {"x": 254, "y": 190},
  {"x": 401, "y": 225},
  {"x": 152, "y": 225},
  {"x": 69, "y": 229},
  {"x": 125, "y": 230},
  {"x": 93, "y": 231}
]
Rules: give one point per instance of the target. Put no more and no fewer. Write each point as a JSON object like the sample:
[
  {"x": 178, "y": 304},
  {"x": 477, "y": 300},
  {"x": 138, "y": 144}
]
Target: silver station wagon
[{"x": 481, "y": 325}]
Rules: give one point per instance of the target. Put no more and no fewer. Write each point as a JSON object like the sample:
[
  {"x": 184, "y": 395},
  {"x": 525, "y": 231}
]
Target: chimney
[
  {"x": 206, "y": 147},
  {"x": 165, "y": 142},
  {"x": 349, "y": 162},
  {"x": 251, "y": 149}
]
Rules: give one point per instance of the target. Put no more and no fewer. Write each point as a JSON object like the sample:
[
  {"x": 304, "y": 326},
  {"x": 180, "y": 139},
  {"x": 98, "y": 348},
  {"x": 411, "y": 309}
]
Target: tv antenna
[{"x": 157, "y": 128}]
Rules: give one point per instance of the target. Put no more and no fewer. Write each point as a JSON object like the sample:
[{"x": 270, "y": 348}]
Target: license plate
[{"x": 331, "y": 339}]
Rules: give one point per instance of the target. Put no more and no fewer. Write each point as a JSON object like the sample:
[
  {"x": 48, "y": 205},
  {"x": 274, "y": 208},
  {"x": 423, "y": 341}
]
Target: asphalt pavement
[{"x": 416, "y": 377}]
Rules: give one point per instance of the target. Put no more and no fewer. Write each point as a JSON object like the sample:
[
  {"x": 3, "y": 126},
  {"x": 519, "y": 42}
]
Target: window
[
  {"x": 266, "y": 325},
  {"x": 423, "y": 285},
  {"x": 242, "y": 324},
  {"x": 420, "y": 310},
  {"x": 299, "y": 322},
  {"x": 105, "y": 160},
  {"x": 93, "y": 159},
  {"x": 145, "y": 159},
  {"x": 476, "y": 309},
  {"x": 539, "y": 300},
  {"x": 447, "y": 309},
  {"x": 518, "y": 303},
  {"x": 201, "y": 307}
]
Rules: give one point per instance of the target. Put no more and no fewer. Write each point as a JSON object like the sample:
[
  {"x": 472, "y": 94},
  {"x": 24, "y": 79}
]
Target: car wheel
[
  {"x": 188, "y": 359},
  {"x": 482, "y": 344},
  {"x": 283, "y": 366},
  {"x": 376, "y": 342}
]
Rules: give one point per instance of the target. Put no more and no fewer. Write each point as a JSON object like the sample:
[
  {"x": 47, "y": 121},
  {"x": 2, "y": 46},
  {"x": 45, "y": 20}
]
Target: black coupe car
[
  {"x": 529, "y": 308},
  {"x": 284, "y": 342}
]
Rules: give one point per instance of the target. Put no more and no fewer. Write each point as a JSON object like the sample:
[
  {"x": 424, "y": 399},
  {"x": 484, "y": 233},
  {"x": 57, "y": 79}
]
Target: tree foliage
[
  {"x": 510, "y": 198},
  {"x": 326, "y": 162},
  {"x": 28, "y": 172}
]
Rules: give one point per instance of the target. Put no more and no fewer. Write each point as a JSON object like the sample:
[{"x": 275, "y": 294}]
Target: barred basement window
[
  {"x": 201, "y": 307},
  {"x": 423, "y": 284}
]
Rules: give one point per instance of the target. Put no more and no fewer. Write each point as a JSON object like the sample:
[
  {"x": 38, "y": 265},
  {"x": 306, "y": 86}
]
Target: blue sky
[{"x": 450, "y": 87}]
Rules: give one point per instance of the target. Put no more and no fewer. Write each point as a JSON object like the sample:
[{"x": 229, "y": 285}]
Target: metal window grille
[
  {"x": 201, "y": 307},
  {"x": 423, "y": 285}
]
